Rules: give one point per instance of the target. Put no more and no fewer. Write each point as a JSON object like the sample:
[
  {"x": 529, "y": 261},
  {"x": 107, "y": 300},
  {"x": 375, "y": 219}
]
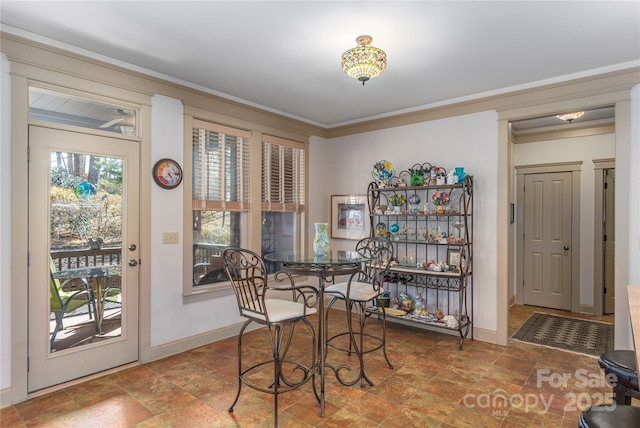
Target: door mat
[{"x": 591, "y": 338}]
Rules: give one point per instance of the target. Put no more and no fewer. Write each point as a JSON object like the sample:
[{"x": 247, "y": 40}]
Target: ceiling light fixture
[
  {"x": 569, "y": 117},
  {"x": 364, "y": 62}
]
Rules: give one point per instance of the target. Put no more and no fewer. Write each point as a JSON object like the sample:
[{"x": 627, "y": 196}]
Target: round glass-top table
[
  {"x": 323, "y": 266},
  {"x": 332, "y": 259}
]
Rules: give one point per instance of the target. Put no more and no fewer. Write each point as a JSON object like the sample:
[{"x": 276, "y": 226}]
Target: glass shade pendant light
[
  {"x": 364, "y": 62},
  {"x": 569, "y": 117}
]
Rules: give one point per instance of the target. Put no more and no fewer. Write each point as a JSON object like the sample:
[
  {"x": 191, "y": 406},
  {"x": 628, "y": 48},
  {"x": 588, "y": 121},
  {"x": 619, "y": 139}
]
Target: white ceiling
[{"x": 285, "y": 56}]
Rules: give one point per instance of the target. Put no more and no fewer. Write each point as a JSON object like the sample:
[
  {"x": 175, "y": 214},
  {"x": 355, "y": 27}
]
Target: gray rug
[{"x": 569, "y": 334}]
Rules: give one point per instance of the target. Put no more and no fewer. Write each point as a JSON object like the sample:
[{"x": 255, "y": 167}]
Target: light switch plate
[{"x": 170, "y": 238}]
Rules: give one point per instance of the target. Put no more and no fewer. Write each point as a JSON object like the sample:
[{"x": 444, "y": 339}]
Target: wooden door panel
[
  {"x": 558, "y": 224},
  {"x": 537, "y": 212},
  {"x": 547, "y": 231},
  {"x": 556, "y": 274},
  {"x": 537, "y": 272}
]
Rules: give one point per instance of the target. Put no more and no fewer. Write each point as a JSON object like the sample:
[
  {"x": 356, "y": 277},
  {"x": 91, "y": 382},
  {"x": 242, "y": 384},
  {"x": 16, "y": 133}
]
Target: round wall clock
[{"x": 167, "y": 173}]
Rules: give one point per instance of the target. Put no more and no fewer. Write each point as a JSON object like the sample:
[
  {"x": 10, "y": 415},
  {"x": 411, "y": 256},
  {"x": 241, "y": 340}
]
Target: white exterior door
[
  {"x": 547, "y": 240},
  {"x": 83, "y": 194}
]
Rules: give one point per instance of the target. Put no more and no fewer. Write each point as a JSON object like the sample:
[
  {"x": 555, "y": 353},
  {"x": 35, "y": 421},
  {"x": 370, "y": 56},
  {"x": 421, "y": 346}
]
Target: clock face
[{"x": 167, "y": 173}]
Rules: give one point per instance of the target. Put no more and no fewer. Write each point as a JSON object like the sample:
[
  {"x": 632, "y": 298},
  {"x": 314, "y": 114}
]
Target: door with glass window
[{"x": 83, "y": 254}]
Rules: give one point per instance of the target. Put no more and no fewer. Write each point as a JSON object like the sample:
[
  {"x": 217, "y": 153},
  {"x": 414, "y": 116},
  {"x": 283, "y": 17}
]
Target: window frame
[
  {"x": 222, "y": 197},
  {"x": 289, "y": 195},
  {"x": 251, "y": 220}
]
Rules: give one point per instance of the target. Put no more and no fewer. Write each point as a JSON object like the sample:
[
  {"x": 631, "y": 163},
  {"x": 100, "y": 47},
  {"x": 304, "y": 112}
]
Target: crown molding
[
  {"x": 597, "y": 90},
  {"x": 38, "y": 60}
]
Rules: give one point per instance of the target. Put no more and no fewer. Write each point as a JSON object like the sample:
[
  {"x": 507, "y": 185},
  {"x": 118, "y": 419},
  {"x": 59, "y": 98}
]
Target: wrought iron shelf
[
  {"x": 435, "y": 238},
  {"x": 463, "y": 329}
]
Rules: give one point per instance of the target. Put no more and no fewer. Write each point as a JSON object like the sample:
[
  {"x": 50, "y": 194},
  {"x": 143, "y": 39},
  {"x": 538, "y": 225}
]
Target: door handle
[
  {"x": 133, "y": 262},
  {"x": 566, "y": 248},
  {"x": 132, "y": 247}
]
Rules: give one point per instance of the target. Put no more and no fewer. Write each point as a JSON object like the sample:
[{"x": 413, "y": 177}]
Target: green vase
[{"x": 321, "y": 240}]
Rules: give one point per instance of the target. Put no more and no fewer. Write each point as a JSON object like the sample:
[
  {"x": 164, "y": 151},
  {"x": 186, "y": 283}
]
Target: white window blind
[
  {"x": 220, "y": 167},
  {"x": 282, "y": 174}
]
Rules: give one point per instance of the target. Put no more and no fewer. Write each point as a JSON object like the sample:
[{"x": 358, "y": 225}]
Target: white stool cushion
[
  {"x": 280, "y": 310},
  {"x": 360, "y": 291}
]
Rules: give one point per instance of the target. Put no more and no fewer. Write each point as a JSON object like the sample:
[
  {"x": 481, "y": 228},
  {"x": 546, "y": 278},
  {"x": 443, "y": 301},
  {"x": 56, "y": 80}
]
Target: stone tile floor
[{"x": 432, "y": 384}]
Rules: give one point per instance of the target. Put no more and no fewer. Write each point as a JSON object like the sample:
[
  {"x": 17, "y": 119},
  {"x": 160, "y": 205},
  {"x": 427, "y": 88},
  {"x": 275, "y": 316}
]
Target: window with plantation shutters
[
  {"x": 283, "y": 171},
  {"x": 220, "y": 196},
  {"x": 224, "y": 210},
  {"x": 220, "y": 158},
  {"x": 282, "y": 175}
]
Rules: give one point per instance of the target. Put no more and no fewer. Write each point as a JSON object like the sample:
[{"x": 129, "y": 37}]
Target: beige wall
[{"x": 469, "y": 141}]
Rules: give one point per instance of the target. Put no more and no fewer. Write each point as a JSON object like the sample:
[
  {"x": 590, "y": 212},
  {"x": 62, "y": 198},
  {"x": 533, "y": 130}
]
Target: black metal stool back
[
  {"x": 248, "y": 275},
  {"x": 381, "y": 251}
]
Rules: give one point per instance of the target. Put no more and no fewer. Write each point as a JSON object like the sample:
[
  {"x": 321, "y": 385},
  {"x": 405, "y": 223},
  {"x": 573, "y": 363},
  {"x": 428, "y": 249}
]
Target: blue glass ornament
[{"x": 85, "y": 191}]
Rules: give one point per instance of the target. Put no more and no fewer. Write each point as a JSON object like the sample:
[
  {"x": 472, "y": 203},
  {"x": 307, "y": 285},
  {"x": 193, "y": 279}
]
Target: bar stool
[
  {"x": 610, "y": 417},
  {"x": 362, "y": 288},
  {"x": 248, "y": 275},
  {"x": 622, "y": 364}
]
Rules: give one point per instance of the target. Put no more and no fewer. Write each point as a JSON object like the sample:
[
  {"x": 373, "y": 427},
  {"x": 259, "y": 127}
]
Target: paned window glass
[
  {"x": 220, "y": 196},
  {"x": 64, "y": 109},
  {"x": 283, "y": 171}
]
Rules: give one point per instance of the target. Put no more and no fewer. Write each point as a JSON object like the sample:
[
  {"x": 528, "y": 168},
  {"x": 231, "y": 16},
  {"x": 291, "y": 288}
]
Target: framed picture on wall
[
  {"x": 453, "y": 258},
  {"x": 349, "y": 217}
]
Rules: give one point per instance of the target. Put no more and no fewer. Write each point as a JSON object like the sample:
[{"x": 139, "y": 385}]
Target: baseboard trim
[
  {"x": 484, "y": 335},
  {"x": 5, "y": 397},
  {"x": 192, "y": 342},
  {"x": 587, "y": 309},
  {"x": 196, "y": 341}
]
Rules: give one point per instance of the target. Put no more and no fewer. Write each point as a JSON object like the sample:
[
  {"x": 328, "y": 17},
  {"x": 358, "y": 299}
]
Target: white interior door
[
  {"x": 547, "y": 240},
  {"x": 83, "y": 192}
]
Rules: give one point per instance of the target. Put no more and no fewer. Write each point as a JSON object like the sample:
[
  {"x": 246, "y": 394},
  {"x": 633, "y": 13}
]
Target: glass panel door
[
  {"x": 85, "y": 247},
  {"x": 83, "y": 255}
]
